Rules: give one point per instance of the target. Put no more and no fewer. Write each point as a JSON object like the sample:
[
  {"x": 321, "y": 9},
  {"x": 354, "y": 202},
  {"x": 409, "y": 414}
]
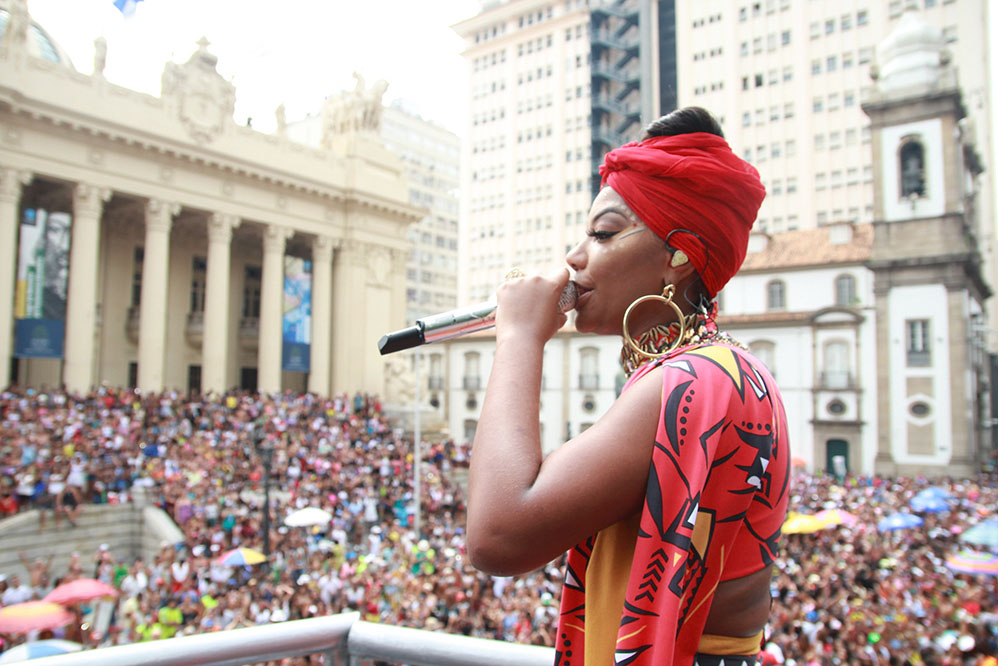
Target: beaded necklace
[{"x": 701, "y": 329}]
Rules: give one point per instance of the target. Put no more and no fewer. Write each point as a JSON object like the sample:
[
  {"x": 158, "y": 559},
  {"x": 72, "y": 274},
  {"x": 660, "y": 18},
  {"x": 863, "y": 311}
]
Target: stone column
[
  {"x": 271, "y": 309},
  {"x": 215, "y": 340},
  {"x": 11, "y": 181},
  {"x": 81, "y": 298},
  {"x": 152, "y": 308},
  {"x": 322, "y": 293}
]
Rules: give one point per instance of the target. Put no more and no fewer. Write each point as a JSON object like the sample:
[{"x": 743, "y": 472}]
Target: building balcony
[
  {"x": 435, "y": 383},
  {"x": 470, "y": 383},
  {"x": 249, "y": 332},
  {"x": 194, "y": 331},
  {"x": 342, "y": 640},
  {"x": 588, "y": 382},
  {"x": 132, "y": 324}
]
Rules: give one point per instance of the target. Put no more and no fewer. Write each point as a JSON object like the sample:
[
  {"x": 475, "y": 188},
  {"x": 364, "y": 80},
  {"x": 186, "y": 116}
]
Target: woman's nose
[{"x": 576, "y": 258}]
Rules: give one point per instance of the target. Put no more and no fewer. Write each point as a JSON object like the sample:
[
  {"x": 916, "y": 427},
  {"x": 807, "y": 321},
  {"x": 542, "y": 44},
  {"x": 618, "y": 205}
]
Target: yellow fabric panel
[{"x": 606, "y": 587}]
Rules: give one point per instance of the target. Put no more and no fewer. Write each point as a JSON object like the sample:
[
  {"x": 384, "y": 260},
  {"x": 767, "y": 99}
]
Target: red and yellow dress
[{"x": 639, "y": 592}]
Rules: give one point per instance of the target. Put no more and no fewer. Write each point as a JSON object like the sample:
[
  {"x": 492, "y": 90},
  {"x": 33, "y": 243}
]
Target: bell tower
[{"x": 930, "y": 293}]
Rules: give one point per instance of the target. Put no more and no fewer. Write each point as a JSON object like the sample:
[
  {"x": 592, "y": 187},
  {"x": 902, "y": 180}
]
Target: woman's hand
[{"x": 528, "y": 307}]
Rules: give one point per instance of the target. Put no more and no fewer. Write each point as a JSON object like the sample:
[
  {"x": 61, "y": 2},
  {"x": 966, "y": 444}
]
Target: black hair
[{"x": 686, "y": 120}]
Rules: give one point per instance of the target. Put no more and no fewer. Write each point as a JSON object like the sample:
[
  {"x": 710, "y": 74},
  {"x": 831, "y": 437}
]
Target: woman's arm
[{"x": 524, "y": 511}]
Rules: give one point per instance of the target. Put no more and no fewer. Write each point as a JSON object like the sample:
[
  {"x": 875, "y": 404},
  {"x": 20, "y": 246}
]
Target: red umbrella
[
  {"x": 81, "y": 589},
  {"x": 32, "y": 615}
]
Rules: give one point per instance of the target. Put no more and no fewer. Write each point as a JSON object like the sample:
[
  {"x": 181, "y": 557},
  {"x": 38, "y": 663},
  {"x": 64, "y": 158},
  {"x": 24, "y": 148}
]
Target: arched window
[
  {"x": 911, "y": 166},
  {"x": 765, "y": 351},
  {"x": 775, "y": 295},
  {"x": 589, "y": 368},
  {"x": 835, "y": 365},
  {"x": 472, "y": 372},
  {"x": 845, "y": 290}
]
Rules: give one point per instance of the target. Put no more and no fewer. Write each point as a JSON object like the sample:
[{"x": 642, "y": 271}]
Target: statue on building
[
  {"x": 18, "y": 22},
  {"x": 357, "y": 110},
  {"x": 282, "y": 120},
  {"x": 400, "y": 381},
  {"x": 100, "y": 56}
]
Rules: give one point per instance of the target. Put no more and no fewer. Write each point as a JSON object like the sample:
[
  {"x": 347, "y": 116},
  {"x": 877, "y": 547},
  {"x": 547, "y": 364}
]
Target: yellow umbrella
[{"x": 801, "y": 523}]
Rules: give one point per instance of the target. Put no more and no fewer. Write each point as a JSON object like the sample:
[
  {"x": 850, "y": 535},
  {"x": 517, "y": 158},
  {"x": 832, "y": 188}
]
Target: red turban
[{"x": 692, "y": 182}]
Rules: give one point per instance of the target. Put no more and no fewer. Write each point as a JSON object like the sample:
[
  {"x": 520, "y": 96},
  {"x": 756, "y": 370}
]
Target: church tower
[{"x": 931, "y": 367}]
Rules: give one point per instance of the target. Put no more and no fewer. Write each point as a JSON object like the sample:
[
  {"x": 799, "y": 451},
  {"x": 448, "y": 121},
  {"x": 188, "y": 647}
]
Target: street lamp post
[{"x": 266, "y": 451}]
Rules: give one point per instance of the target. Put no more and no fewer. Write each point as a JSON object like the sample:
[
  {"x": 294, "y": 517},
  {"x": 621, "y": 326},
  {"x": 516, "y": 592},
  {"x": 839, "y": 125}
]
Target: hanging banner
[
  {"x": 40, "y": 290},
  {"x": 297, "y": 318}
]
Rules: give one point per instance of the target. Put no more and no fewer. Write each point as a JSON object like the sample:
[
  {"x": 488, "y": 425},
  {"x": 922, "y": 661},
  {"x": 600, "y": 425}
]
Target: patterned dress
[{"x": 716, "y": 498}]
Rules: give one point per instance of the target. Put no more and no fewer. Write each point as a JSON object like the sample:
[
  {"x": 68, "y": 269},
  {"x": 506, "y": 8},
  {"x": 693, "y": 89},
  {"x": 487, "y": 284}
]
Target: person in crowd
[{"x": 684, "y": 478}]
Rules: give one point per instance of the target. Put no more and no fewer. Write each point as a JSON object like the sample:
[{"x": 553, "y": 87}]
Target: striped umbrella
[
  {"x": 969, "y": 561},
  {"x": 31, "y": 615},
  {"x": 241, "y": 556}
]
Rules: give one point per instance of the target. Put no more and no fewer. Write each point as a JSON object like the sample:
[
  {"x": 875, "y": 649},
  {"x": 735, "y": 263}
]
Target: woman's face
[{"x": 619, "y": 261}]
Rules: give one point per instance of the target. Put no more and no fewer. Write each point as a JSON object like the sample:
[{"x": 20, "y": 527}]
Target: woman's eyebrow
[{"x": 623, "y": 212}]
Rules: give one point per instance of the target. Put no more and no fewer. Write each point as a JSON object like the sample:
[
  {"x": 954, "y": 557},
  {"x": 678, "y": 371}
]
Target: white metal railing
[{"x": 343, "y": 640}]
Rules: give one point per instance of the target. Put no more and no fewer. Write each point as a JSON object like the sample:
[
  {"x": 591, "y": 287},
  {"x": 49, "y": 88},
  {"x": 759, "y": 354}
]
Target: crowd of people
[{"x": 844, "y": 595}]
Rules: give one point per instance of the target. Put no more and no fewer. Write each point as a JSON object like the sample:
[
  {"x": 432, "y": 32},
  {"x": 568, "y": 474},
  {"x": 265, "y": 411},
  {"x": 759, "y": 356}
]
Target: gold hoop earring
[
  {"x": 679, "y": 258},
  {"x": 633, "y": 347}
]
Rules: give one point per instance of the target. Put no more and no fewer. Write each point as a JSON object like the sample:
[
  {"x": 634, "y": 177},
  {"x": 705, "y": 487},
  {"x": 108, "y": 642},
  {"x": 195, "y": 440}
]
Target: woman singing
[{"x": 670, "y": 506}]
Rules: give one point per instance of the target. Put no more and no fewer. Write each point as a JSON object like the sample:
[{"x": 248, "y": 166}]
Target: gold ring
[{"x": 513, "y": 274}]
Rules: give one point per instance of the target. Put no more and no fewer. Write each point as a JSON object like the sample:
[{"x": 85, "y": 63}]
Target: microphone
[{"x": 455, "y": 323}]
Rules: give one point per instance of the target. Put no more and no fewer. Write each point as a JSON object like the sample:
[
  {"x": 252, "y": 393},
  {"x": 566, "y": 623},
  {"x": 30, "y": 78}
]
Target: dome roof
[
  {"x": 912, "y": 54},
  {"x": 40, "y": 43}
]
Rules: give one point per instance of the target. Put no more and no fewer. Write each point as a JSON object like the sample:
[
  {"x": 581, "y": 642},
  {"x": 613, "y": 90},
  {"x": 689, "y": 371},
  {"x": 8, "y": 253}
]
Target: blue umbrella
[
  {"x": 928, "y": 504},
  {"x": 935, "y": 491},
  {"x": 899, "y": 521},
  {"x": 984, "y": 533},
  {"x": 36, "y": 649}
]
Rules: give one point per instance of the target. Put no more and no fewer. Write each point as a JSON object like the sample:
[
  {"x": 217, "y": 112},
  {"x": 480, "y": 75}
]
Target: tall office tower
[
  {"x": 542, "y": 74},
  {"x": 430, "y": 155},
  {"x": 787, "y": 77}
]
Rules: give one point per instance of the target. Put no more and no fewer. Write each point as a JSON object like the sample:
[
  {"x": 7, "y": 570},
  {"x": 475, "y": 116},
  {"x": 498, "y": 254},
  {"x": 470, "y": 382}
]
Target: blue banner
[
  {"x": 38, "y": 338},
  {"x": 296, "y": 323},
  {"x": 42, "y": 278}
]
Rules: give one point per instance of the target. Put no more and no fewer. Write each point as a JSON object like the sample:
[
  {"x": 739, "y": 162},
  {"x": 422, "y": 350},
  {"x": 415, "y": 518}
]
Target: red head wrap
[{"x": 695, "y": 183}]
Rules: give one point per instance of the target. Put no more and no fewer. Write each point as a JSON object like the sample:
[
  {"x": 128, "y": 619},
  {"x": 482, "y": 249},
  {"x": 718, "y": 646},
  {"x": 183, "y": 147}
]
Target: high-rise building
[
  {"x": 431, "y": 156},
  {"x": 787, "y": 78}
]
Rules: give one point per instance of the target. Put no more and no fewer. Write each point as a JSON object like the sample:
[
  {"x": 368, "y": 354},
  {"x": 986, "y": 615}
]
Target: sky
[{"x": 295, "y": 52}]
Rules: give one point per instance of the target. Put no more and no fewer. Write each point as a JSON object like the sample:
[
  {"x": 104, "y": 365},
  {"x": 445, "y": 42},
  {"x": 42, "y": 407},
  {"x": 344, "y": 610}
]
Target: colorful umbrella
[
  {"x": 800, "y": 523},
  {"x": 310, "y": 515},
  {"x": 984, "y": 533},
  {"x": 31, "y": 615},
  {"x": 935, "y": 491},
  {"x": 81, "y": 589},
  {"x": 968, "y": 561},
  {"x": 899, "y": 521},
  {"x": 241, "y": 556},
  {"x": 36, "y": 649},
  {"x": 837, "y": 517}
]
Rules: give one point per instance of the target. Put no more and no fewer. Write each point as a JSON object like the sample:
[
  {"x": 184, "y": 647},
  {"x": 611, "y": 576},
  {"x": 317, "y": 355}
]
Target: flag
[{"x": 126, "y": 7}]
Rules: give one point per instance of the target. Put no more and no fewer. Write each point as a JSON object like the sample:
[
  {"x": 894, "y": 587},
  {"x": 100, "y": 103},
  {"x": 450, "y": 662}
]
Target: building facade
[{"x": 181, "y": 231}]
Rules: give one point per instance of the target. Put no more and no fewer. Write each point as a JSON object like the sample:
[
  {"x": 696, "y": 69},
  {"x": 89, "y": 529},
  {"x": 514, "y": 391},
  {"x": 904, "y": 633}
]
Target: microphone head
[{"x": 569, "y": 295}]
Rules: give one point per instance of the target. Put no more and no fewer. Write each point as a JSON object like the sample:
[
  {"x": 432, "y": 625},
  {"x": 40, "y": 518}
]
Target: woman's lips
[{"x": 583, "y": 297}]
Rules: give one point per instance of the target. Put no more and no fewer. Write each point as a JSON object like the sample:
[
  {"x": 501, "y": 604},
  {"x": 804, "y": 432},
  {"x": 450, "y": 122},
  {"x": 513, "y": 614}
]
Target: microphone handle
[{"x": 456, "y": 323}]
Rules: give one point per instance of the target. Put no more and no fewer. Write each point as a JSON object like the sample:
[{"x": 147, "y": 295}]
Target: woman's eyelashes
[{"x": 602, "y": 235}]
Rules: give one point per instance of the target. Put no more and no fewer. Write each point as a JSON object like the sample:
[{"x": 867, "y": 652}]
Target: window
[
  {"x": 137, "y": 260},
  {"x": 815, "y": 29},
  {"x": 791, "y": 147},
  {"x": 822, "y": 218},
  {"x": 746, "y": 119},
  {"x": 785, "y": 37},
  {"x": 251, "y": 292},
  {"x": 849, "y": 98},
  {"x": 845, "y": 290},
  {"x": 757, "y": 45},
  {"x": 911, "y": 158},
  {"x": 472, "y": 371},
  {"x": 788, "y": 110},
  {"x": 949, "y": 34},
  {"x": 847, "y": 59},
  {"x": 818, "y": 104},
  {"x": 774, "y": 150},
  {"x": 845, "y": 23},
  {"x": 589, "y": 368},
  {"x": 788, "y": 74},
  {"x": 919, "y": 344},
  {"x": 819, "y": 141},
  {"x": 774, "y": 114},
  {"x": 835, "y": 363},
  {"x": 861, "y": 17},
  {"x": 791, "y": 189},
  {"x": 198, "y": 279},
  {"x": 819, "y": 181},
  {"x": 865, "y": 55},
  {"x": 829, "y": 26},
  {"x": 744, "y": 49},
  {"x": 775, "y": 295},
  {"x": 832, "y": 63},
  {"x": 816, "y": 66}
]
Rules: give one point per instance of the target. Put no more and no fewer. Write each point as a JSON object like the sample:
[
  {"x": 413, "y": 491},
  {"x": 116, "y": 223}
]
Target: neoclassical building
[{"x": 151, "y": 241}]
